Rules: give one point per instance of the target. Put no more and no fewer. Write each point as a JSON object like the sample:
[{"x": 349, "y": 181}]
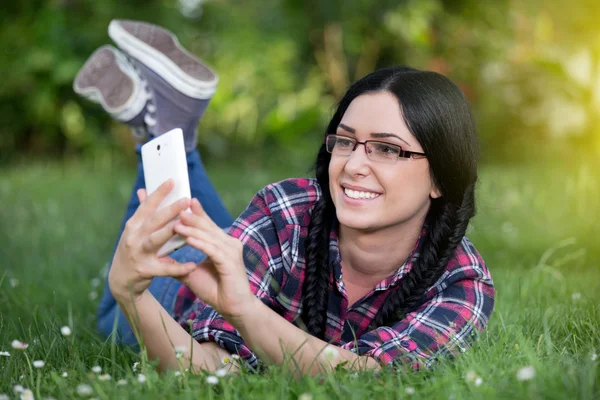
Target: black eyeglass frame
[{"x": 402, "y": 153}]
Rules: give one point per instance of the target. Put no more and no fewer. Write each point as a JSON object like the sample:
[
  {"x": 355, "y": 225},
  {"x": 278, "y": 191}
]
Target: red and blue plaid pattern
[{"x": 273, "y": 229}]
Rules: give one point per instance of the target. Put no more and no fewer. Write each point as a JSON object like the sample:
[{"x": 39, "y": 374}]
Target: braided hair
[{"x": 438, "y": 115}]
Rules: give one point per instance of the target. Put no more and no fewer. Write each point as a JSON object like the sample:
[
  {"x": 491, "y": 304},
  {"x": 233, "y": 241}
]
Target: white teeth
[{"x": 355, "y": 194}]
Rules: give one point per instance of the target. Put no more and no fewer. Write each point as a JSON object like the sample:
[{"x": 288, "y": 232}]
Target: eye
[
  {"x": 343, "y": 143},
  {"x": 387, "y": 150}
]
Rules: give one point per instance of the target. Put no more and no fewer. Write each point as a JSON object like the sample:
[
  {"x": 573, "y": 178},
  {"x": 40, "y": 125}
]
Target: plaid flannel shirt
[{"x": 273, "y": 230}]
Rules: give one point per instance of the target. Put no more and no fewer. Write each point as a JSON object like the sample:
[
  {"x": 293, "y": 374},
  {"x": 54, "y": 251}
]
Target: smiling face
[{"x": 368, "y": 195}]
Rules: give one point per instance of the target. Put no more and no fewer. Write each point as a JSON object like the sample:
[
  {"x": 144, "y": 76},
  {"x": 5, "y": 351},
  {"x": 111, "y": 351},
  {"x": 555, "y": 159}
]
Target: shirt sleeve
[
  {"x": 255, "y": 228},
  {"x": 441, "y": 327}
]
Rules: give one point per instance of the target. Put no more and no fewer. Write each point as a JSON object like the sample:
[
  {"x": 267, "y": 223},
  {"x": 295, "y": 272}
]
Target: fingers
[
  {"x": 154, "y": 200},
  {"x": 149, "y": 203},
  {"x": 199, "y": 232},
  {"x": 200, "y": 220},
  {"x": 168, "y": 268},
  {"x": 156, "y": 239},
  {"x": 215, "y": 248},
  {"x": 142, "y": 195},
  {"x": 177, "y": 270},
  {"x": 165, "y": 215}
]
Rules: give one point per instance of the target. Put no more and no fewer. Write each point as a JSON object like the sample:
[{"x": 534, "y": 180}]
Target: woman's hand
[
  {"x": 221, "y": 279},
  {"x": 135, "y": 262}
]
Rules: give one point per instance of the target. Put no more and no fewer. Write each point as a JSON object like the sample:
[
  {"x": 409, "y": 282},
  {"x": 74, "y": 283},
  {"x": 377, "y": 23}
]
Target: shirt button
[{"x": 404, "y": 343}]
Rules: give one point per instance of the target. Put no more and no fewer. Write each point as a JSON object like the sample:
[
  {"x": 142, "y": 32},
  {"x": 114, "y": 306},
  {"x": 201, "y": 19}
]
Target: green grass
[{"x": 536, "y": 228}]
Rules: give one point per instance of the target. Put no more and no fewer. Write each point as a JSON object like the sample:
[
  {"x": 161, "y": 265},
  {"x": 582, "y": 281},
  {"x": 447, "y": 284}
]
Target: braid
[
  {"x": 315, "y": 288},
  {"x": 447, "y": 226},
  {"x": 316, "y": 281}
]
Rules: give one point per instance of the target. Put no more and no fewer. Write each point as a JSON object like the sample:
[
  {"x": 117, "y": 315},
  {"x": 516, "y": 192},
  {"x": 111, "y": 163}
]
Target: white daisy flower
[
  {"x": 478, "y": 381},
  {"x": 235, "y": 357},
  {"x": 18, "y": 389},
  {"x": 305, "y": 396},
  {"x": 39, "y": 364},
  {"x": 84, "y": 390},
  {"x": 18, "y": 345},
  {"x": 410, "y": 390},
  {"x": 526, "y": 373},
  {"x": 4, "y": 354},
  {"x": 4, "y": 396},
  {"x": 65, "y": 330},
  {"x": 93, "y": 295},
  {"x": 95, "y": 282},
  {"x": 470, "y": 376},
  {"x": 104, "y": 377},
  {"x": 212, "y": 380},
  {"x": 594, "y": 357},
  {"x": 225, "y": 360},
  {"x": 177, "y": 373},
  {"x": 96, "y": 369},
  {"x": 65, "y": 374},
  {"x": 135, "y": 366},
  {"x": 27, "y": 395},
  {"x": 576, "y": 296},
  {"x": 141, "y": 378},
  {"x": 121, "y": 382},
  {"x": 330, "y": 353},
  {"x": 180, "y": 351},
  {"x": 221, "y": 372},
  {"x": 13, "y": 282}
]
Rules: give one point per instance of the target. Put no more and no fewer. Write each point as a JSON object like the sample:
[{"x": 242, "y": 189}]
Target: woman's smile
[{"x": 357, "y": 196}]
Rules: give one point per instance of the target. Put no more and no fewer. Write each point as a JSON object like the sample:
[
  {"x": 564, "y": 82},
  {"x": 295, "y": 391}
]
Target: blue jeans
[{"x": 164, "y": 289}]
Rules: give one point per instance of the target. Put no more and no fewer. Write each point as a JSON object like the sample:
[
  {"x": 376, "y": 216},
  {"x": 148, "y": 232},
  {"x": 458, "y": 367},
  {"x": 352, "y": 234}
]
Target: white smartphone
[{"x": 164, "y": 158}]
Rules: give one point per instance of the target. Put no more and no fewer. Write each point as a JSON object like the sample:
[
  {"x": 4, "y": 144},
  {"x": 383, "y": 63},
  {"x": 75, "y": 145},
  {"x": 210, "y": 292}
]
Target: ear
[{"x": 435, "y": 192}]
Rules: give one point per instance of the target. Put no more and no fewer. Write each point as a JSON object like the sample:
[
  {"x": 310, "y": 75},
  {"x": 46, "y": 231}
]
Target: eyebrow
[{"x": 378, "y": 135}]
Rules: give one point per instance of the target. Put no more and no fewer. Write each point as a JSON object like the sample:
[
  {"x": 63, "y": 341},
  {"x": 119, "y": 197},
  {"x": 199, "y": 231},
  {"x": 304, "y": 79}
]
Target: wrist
[
  {"x": 249, "y": 316},
  {"x": 127, "y": 300}
]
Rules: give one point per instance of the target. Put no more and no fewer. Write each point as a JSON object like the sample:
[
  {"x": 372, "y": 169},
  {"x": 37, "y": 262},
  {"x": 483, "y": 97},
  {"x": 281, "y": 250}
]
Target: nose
[{"x": 358, "y": 162}]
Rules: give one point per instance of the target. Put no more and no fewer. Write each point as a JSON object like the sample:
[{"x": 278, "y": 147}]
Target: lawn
[{"x": 536, "y": 228}]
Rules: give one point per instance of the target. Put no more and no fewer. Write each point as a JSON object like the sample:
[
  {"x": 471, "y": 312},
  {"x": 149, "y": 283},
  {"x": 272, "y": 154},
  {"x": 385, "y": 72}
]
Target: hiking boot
[
  {"x": 181, "y": 85},
  {"x": 109, "y": 79}
]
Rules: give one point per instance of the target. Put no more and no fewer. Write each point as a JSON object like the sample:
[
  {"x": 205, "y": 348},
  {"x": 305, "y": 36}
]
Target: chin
[{"x": 358, "y": 222}]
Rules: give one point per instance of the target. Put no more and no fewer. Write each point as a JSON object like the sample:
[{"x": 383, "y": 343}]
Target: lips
[
  {"x": 354, "y": 194},
  {"x": 359, "y": 188},
  {"x": 357, "y": 193}
]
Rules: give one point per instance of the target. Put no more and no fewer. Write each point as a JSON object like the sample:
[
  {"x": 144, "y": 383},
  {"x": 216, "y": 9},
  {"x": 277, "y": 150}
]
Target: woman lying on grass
[{"x": 367, "y": 264}]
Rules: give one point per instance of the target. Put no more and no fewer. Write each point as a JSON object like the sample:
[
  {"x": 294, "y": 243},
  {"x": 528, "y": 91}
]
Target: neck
[{"x": 369, "y": 257}]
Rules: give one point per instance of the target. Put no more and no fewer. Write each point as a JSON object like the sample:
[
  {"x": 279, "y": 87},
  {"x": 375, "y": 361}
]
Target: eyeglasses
[{"x": 376, "y": 151}]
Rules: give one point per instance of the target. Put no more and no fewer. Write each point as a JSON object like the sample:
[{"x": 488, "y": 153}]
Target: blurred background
[{"x": 531, "y": 70}]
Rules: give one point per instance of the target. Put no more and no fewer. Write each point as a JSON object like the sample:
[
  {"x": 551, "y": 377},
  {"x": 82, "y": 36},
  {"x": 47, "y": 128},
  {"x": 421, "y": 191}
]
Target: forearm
[
  {"x": 161, "y": 333},
  {"x": 272, "y": 338}
]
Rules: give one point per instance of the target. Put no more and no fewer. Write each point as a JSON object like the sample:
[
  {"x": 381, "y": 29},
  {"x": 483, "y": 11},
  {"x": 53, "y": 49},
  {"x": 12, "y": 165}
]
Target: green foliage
[{"x": 284, "y": 63}]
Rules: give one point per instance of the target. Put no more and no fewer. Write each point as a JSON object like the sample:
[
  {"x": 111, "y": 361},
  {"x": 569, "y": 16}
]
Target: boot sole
[
  {"x": 123, "y": 99},
  {"x": 159, "y": 50}
]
